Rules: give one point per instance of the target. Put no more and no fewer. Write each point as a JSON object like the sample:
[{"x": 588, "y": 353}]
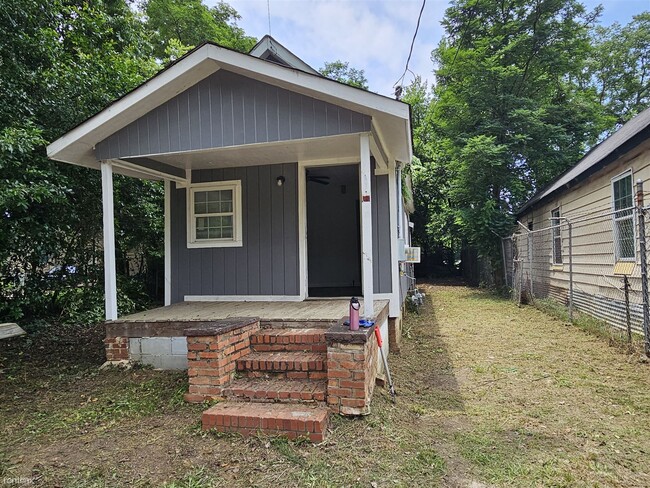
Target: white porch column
[
  {"x": 110, "y": 280},
  {"x": 168, "y": 244},
  {"x": 366, "y": 227}
]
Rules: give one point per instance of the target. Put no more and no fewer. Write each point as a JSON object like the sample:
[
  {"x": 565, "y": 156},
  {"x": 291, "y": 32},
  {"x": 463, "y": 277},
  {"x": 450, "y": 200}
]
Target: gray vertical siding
[
  {"x": 267, "y": 263},
  {"x": 381, "y": 246},
  {"x": 227, "y": 109}
]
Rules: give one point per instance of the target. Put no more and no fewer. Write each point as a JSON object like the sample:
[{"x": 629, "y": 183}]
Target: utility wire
[{"x": 408, "y": 60}]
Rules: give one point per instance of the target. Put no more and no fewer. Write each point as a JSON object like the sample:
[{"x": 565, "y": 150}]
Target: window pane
[
  {"x": 623, "y": 193},
  {"x": 625, "y": 238},
  {"x": 214, "y": 227},
  {"x": 557, "y": 251},
  {"x": 214, "y": 201},
  {"x": 202, "y": 228}
]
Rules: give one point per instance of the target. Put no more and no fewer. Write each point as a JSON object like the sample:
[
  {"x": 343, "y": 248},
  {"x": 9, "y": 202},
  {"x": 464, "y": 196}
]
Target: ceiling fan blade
[{"x": 319, "y": 180}]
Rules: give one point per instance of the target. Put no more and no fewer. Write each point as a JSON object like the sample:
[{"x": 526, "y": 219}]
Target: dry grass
[{"x": 489, "y": 394}]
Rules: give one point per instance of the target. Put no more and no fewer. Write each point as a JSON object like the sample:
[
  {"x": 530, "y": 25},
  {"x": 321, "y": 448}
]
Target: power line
[{"x": 417, "y": 27}]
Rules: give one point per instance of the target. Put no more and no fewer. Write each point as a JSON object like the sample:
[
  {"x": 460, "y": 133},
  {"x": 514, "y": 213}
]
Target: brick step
[
  {"x": 307, "y": 339},
  {"x": 283, "y": 362},
  {"x": 268, "y": 418},
  {"x": 277, "y": 390}
]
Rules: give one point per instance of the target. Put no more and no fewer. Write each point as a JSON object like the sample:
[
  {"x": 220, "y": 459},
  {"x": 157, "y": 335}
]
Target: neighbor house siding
[
  {"x": 267, "y": 263},
  {"x": 381, "y": 250},
  {"x": 587, "y": 206},
  {"x": 227, "y": 109}
]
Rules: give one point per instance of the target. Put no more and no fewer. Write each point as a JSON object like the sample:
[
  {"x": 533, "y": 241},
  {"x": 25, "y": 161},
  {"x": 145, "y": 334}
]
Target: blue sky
[{"x": 373, "y": 35}]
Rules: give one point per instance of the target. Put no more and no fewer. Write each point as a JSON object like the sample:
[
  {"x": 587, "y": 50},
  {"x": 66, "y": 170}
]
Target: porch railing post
[
  {"x": 366, "y": 226},
  {"x": 110, "y": 279}
]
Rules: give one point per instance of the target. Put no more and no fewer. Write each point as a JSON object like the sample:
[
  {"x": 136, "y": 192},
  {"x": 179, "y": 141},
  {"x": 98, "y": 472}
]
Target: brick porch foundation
[
  {"x": 351, "y": 369},
  {"x": 212, "y": 354}
]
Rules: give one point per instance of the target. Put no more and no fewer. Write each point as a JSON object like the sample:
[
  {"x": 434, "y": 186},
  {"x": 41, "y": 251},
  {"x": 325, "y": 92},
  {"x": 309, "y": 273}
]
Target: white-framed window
[
  {"x": 623, "y": 207},
  {"x": 557, "y": 235},
  {"x": 214, "y": 214}
]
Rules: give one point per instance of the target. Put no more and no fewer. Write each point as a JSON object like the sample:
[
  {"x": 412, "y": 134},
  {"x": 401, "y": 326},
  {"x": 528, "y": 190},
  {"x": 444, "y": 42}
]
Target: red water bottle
[{"x": 354, "y": 313}]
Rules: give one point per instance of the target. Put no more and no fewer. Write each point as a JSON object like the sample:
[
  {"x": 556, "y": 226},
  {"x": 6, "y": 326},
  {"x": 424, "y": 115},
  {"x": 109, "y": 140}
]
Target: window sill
[
  {"x": 208, "y": 244},
  {"x": 557, "y": 267}
]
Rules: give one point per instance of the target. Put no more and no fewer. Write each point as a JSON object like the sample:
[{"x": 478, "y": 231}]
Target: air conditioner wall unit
[{"x": 412, "y": 254}]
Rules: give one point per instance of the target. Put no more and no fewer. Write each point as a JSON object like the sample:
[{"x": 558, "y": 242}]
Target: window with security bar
[
  {"x": 623, "y": 203},
  {"x": 557, "y": 236}
]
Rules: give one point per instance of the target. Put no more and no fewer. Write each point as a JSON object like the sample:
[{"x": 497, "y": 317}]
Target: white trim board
[{"x": 242, "y": 298}]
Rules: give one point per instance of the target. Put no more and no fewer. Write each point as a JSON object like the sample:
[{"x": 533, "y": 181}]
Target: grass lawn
[{"x": 489, "y": 395}]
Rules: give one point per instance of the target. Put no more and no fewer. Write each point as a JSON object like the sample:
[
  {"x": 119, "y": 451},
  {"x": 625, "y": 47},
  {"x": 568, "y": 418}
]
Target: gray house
[
  {"x": 282, "y": 200},
  {"x": 281, "y": 185}
]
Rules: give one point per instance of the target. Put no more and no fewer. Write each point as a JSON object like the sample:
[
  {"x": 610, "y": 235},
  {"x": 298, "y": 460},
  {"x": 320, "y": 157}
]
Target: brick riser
[
  {"x": 276, "y": 390},
  {"x": 293, "y": 421},
  {"x": 290, "y": 365},
  {"x": 307, "y": 340}
]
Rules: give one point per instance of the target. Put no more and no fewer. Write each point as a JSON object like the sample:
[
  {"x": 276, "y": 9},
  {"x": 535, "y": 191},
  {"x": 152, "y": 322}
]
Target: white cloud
[{"x": 373, "y": 35}]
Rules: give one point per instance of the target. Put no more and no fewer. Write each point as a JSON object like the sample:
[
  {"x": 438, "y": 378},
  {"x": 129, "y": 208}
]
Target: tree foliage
[
  {"x": 174, "y": 23},
  {"x": 342, "y": 71},
  {"x": 521, "y": 94},
  {"x": 61, "y": 61},
  {"x": 619, "y": 67}
]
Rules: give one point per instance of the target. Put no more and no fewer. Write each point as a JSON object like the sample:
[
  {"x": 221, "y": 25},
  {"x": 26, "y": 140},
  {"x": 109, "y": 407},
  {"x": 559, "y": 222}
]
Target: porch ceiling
[{"x": 320, "y": 148}]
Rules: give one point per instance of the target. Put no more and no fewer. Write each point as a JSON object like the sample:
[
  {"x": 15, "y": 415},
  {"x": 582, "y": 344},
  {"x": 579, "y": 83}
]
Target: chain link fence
[{"x": 594, "y": 263}]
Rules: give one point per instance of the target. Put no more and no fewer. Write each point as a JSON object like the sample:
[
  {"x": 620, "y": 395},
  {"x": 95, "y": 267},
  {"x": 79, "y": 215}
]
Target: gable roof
[
  {"x": 630, "y": 135},
  {"x": 391, "y": 118},
  {"x": 271, "y": 50}
]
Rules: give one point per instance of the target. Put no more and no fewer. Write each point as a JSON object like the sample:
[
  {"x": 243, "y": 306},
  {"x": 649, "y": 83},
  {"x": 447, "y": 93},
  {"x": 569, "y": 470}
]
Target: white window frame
[
  {"x": 236, "y": 240},
  {"x": 617, "y": 256},
  {"x": 556, "y": 228}
]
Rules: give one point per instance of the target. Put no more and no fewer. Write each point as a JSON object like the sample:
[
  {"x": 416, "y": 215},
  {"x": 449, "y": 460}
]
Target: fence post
[
  {"x": 505, "y": 265},
  {"x": 644, "y": 265},
  {"x": 530, "y": 256},
  {"x": 570, "y": 271}
]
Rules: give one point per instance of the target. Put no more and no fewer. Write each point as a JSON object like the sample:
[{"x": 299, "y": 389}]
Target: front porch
[
  {"x": 282, "y": 366},
  {"x": 157, "y": 337}
]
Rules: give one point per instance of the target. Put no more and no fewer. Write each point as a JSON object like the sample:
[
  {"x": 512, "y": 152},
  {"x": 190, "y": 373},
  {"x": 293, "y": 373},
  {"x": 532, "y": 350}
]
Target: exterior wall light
[{"x": 279, "y": 180}]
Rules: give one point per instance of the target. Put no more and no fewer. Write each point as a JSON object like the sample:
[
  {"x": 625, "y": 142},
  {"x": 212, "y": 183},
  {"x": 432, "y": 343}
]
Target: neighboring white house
[{"x": 596, "y": 197}]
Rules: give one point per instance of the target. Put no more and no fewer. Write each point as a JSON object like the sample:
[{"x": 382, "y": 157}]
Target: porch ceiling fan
[{"x": 321, "y": 180}]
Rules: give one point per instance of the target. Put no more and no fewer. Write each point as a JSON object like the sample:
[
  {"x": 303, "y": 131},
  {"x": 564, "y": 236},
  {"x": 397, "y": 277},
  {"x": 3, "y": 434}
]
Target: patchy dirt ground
[{"x": 489, "y": 395}]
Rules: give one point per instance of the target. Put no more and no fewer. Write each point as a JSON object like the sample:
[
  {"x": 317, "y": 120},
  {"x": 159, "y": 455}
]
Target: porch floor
[{"x": 308, "y": 311}]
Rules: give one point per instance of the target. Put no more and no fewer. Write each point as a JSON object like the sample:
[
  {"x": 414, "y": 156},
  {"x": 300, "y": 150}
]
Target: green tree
[
  {"x": 189, "y": 22},
  {"x": 435, "y": 230},
  {"x": 619, "y": 67},
  {"x": 341, "y": 71},
  {"x": 508, "y": 114},
  {"x": 60, "y": 62}
]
